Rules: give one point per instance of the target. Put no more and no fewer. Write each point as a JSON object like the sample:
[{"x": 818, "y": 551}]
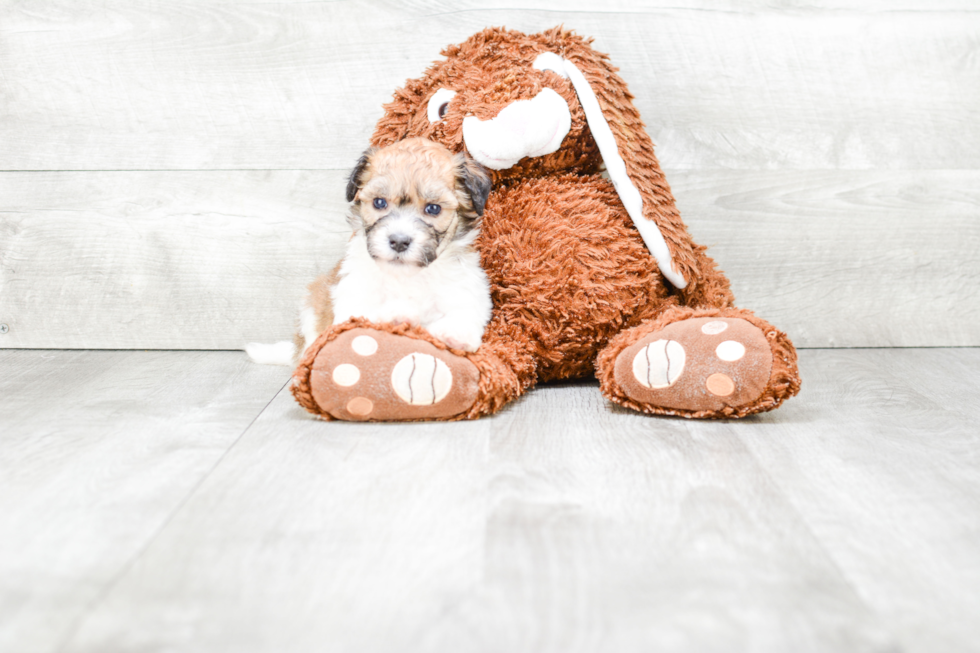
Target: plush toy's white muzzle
[{"x": 525, "y": 128}]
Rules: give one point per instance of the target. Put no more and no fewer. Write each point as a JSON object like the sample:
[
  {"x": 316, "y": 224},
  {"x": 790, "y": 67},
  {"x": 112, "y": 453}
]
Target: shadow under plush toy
[{"x": 588, "y": 275}]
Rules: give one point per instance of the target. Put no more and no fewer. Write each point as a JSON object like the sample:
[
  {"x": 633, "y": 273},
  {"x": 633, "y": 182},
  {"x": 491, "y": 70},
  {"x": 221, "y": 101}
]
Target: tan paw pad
[
  {"x": 360, "y": 406},
  {"x": 346, "y": 375},
  {"x": 720, "y": 385},
  {"x": 421, "y": 380},
  {"x": 364, "y": 374},
  {"x": 659, "y": 364},
  {"x": 364, "y": 345},
  {"x": 730, "y": 351},
  {"x": 698, "y": 364},
  {"x": 713, "y": 327}
]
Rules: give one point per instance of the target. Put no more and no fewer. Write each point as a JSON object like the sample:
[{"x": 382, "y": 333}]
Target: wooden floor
[{"x": 181, "y": 501}]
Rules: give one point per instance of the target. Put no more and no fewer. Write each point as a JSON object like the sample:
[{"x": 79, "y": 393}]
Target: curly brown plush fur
[{"x": 573, "y": 283}]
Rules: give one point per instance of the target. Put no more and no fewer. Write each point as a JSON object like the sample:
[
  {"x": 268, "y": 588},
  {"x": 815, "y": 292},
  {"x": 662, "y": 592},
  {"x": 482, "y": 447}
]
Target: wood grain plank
[
  {"x": 216, "y": 85},
  {"x": 843, "y": 521},
  {"x": 97, "y": 449},
  {"x": 175, "y": 260},
  {"x": 848, "y": 258},
  {"x": 879, "y": 457},
  {"x": 609, "y": 530},
  {"x": 313, "y": 536},
  {"x": 212, "y": 260},
  {"x": 561, "y": 524}
]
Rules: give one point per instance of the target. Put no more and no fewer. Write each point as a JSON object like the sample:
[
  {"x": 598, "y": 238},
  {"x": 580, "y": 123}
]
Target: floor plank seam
[
  {"x": 195, "y": 349},
  {"x": 124, "y": 570},
  {"x": 835, "y": 564}
]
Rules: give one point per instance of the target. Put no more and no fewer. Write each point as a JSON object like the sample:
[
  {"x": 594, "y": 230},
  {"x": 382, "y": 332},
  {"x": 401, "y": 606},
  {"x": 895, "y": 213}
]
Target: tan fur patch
[
  {"x": 320, "y": 300},
  {"x": 416, "y": 172}
]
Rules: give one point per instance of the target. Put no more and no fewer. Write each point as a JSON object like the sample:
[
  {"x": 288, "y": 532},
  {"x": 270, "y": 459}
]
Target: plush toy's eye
[
  {"x": 433, "y": 209},
  {"x": 439, "y": 104},
  {"x": 380, "y": 203}
]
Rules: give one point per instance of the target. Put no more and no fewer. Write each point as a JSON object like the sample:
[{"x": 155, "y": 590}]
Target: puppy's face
[{"x": 414, "y": 199}]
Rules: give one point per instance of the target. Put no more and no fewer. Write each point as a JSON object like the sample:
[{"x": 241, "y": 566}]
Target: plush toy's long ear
[{"x": 628, "y": 154}]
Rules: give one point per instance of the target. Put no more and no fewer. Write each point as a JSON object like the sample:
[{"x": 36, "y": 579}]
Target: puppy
[{"x": 415, "y": 211}]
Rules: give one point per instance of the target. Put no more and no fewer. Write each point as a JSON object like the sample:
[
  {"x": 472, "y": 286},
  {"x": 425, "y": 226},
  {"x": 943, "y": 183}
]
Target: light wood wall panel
[
  {"x": 212, "y": 260},
  {"x": 846, "y": 258},
  {"x": 159, "y": 85},
  {"x": 168, "y": 260},
  {"x": 174, "y": 172}
]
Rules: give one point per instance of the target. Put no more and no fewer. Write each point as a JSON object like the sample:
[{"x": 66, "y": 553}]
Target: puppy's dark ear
[
  {"x": 355, "y": 181},
  {"x": 476, "y": 181}
]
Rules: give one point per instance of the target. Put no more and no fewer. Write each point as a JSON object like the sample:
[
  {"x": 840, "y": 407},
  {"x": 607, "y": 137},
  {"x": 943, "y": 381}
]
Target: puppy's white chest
[
  {"x": 386, "y": 293},
  {"x": 450, "y": 297},
  {"x": 382, "y": 299}
]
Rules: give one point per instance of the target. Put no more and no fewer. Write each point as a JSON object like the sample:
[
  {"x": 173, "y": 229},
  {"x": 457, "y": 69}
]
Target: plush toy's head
[
  {"x": 529, "y": 105},
  {"x": 507, "y": 98}
]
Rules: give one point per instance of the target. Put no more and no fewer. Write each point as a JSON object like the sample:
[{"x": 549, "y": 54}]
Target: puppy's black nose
[{"x": 399, "y": 242}]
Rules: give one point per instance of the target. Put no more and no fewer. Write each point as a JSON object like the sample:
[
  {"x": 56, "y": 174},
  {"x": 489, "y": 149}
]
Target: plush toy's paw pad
[
  {"x": 698, "y": 364},
  {"x": 373, "y": 375}
]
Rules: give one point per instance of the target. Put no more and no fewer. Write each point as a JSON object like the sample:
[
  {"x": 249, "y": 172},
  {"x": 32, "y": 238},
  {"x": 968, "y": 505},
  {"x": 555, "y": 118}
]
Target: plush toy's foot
[
  {"x": 366, "y": 374},
  {"x": 707, "y": 363}
]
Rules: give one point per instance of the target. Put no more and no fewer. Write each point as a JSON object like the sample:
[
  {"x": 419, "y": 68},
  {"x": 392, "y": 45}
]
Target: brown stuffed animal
[{"x": 590, "y": 273}]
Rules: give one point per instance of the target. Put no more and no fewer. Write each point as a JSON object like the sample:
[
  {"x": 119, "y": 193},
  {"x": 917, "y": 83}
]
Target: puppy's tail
[{"x": 281, "y": 353}]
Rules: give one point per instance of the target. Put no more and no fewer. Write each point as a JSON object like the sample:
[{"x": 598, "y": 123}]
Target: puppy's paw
[
  {"x": 458, "y": 336},
  {"x": 373, "y": 375},
  {"x": 281, "y": 353}
]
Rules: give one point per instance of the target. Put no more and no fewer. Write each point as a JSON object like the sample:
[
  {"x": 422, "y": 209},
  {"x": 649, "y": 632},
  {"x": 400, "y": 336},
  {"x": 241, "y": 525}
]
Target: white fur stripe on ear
[{"x": 615, "y": 166}]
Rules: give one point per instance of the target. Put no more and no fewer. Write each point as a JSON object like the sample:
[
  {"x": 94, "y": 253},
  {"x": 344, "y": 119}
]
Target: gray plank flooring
[
  {"x": 159, "y": 504},
  {"x": 97, "y": 451}
]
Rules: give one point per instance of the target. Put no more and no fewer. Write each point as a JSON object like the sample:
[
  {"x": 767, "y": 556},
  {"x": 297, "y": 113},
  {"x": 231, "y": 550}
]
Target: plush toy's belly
[{"x": 567, "y": 265}]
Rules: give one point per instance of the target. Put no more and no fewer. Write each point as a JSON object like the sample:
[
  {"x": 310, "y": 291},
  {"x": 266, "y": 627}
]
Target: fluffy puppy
[{"x": 415, "y": 211}]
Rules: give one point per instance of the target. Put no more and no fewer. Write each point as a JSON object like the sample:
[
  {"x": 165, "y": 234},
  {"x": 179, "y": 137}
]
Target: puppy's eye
[
  {"x": 380, "y": 203},
  {"x": 433, "y": 209},
  {"x": 439, "y": 104}
]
